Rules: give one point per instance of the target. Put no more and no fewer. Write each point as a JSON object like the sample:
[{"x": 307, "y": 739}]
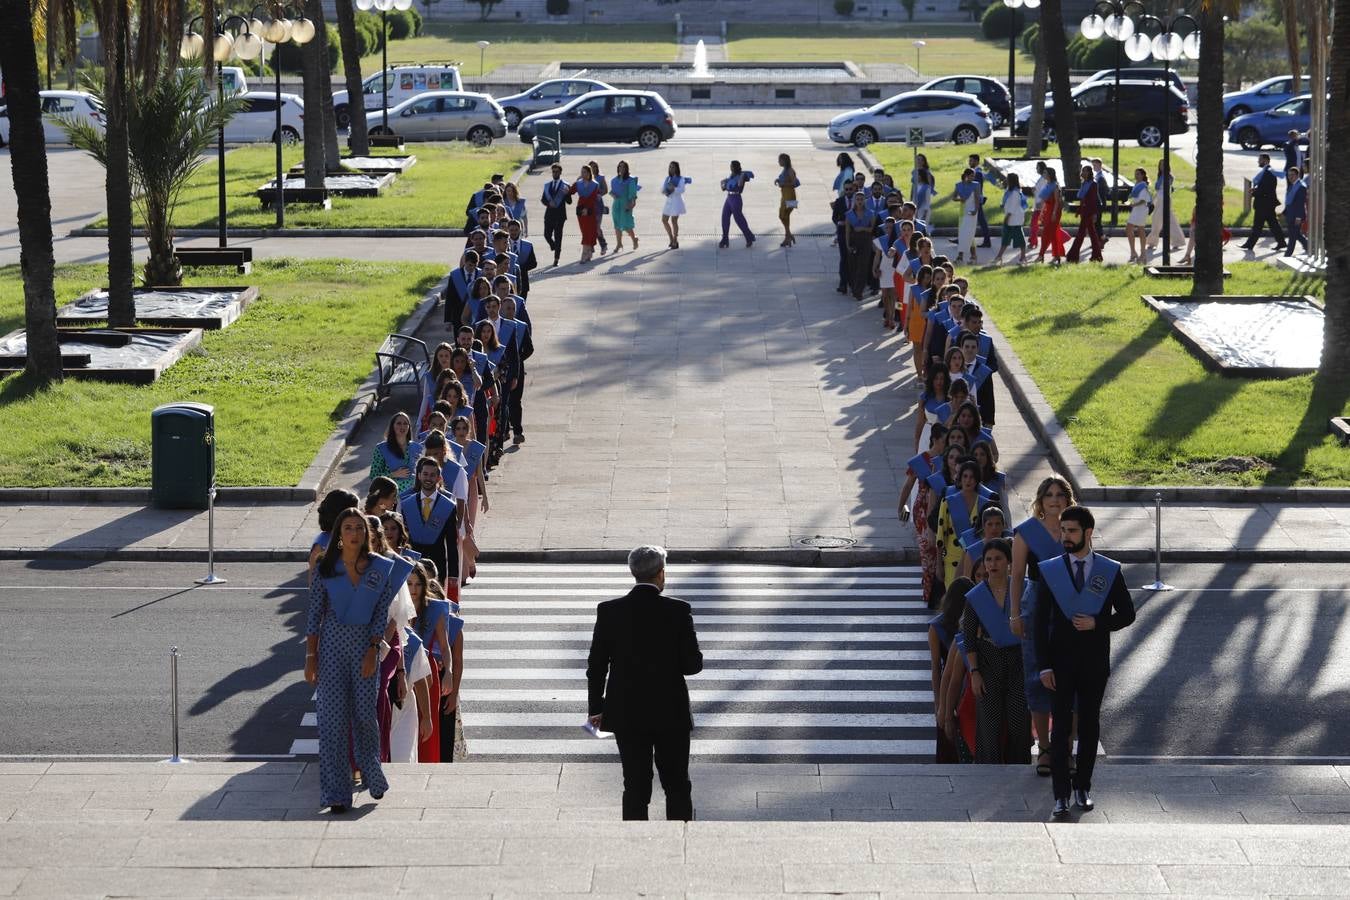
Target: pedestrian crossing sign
[{"x": 915, "y": 137}]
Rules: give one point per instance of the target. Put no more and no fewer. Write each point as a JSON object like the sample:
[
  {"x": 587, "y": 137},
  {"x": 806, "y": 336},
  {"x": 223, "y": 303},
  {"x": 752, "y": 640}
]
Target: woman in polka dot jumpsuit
[{"x": 348, "y": 610}]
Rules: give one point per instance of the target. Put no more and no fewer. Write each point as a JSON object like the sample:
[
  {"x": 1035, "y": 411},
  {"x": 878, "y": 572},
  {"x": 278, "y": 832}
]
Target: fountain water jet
[{"x": 700, "y": 60}]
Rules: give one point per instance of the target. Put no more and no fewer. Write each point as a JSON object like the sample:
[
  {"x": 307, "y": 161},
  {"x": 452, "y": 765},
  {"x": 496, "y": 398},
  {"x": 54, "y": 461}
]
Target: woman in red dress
[{"x": 588, "y": 211}]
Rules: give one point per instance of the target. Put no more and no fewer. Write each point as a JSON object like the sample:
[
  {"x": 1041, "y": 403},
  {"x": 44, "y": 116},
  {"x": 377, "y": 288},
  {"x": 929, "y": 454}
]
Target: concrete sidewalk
[{"x": 533, "y": 829}]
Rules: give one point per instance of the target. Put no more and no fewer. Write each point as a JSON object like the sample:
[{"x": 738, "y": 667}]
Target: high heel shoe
[
  {"x": 635, "y": 243},
  {"x": 722, "y": 244}
]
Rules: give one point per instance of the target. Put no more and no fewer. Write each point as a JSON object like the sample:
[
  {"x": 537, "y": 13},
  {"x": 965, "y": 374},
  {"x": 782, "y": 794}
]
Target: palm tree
[
  {"x": 1336, "y": 229},
  {"x": 28, "y": 163},
  {"x": 1209, "y": 136},
  {"x": 1289, "y": 10},
  {"x": 321, "y": 148},
  {"x": 351, "y": 63},
  {"x": 1056, "y": 53},
  {"x": 170, "y": 127}
]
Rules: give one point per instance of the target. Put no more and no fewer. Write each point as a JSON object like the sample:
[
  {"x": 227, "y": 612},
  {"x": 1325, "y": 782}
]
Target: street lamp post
[
  {"x": 1166, "y": 46},
  {"x": 1013, "y": 7},
  {"x": 277, "y": 31},
  {"x": 918, "y": 48},
  {"x": 1119, "y": 27},
  {"x": 482, "y": 52},
  {"x": 383, "y": 6},
  {"x": 244, "y": 44}
]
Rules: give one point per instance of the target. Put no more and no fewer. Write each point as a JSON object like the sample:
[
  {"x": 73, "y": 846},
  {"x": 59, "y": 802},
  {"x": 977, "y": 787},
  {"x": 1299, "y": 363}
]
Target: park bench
[
  {"x": 401, "y": 361},
  {"x": 308, "y": 195},
  {"x": 241, "y": 258}
]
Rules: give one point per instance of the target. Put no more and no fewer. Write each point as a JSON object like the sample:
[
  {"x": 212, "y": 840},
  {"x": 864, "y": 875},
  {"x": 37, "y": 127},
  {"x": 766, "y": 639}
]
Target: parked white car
[
  {"x": 548, "y": 95},
  {"x": 58, "y": 105},
  {"x": 234, "y": 80},
  {"x": 443, "y": 116},
  {"x": 404, "y": 82},
  {"x": 943, "y": 116},
  {"x": 257, "y": 121}
]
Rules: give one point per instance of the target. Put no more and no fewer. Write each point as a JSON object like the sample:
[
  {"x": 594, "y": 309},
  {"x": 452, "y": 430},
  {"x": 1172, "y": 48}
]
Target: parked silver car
[
  {"x": 443, "y": 116},
  {"x": 943, "y": 115},
  {"x": 546, "y": 95}
]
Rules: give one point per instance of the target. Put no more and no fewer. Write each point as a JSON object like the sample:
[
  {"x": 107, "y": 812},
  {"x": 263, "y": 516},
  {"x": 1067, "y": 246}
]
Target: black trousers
[
  {"x": 843, "y": 256},
  {"x": 671, "y": 750},
  {"x": 1262, "y": 219},
  {"x": 514, "y": 399},
  {"x": 1086, "y": 688},
  {"x": 554, "y": 219}
]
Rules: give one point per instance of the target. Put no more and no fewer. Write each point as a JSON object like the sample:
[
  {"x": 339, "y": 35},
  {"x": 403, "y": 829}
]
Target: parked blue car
[
  {"x": 1260, "y": 97},
  {"x": 1255, "y": 130}
]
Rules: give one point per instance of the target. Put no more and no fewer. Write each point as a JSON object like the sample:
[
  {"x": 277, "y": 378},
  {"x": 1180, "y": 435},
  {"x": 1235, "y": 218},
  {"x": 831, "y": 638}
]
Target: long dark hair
[
  {"x": 930, "y": 389},
  {"x": 436, "y": 367},
  {"x": 971, "y": 405},
  {"x": 481, "y": 281},
  {"x": 623, "y": 164},
  {"x": 403, "y": 537},
  {"x": 987, "y": 472},
  {"x": 333, "y": 503},
  {"x": 954, "y": 604},
  {"x": 844, "y": 161},
  {"x": 331, "y": 555},
  {"x": 379, "y": 489},
  {"x": 735, "y": 167},
  {"x": 391, "y": 436},
  {"x": 494, "y": 344}
]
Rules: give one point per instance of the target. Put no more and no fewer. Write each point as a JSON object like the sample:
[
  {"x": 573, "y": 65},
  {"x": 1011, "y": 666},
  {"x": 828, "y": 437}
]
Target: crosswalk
[{"x": 800, "y": 664}]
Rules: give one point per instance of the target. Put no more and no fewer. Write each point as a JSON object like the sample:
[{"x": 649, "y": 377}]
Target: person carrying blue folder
[{"x": 1073, "y": 648}]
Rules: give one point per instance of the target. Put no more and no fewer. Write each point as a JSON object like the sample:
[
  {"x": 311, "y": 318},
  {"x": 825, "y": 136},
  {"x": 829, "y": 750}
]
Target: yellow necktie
[{"x": 426, "y": 507}]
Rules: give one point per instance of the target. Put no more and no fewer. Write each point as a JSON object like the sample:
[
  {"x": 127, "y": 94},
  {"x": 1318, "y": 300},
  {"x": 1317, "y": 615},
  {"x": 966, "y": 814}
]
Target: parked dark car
[
  {"x": 613, "y": 116},
  {"x": 1141, "y": 112},
  {"x": 989, "y": 91},
  {"x": 1138, "y": 73}
]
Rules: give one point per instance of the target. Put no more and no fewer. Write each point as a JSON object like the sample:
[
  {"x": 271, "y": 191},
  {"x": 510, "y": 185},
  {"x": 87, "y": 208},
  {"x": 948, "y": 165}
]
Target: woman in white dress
[
  {"x": 967, "y": 194},
  {"x": 673, "y": 189},
  {"x": 1135, "y": 225},
  {"x": 1155, "y": 232},
  {"x": 410, "y": 722}
]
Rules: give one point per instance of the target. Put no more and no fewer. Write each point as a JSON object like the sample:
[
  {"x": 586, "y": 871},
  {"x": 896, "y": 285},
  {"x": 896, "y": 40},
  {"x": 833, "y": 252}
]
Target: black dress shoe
[
  {"x": 1061, "y": 808},
  {"x": 337, "y": 809},
  {"x": 1082, "y": 800},
  {"x": 377, "y": 796}
]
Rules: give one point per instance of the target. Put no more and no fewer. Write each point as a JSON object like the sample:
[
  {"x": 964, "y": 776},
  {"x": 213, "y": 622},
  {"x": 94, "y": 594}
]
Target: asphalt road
[{"x": 1248, "y": 662}]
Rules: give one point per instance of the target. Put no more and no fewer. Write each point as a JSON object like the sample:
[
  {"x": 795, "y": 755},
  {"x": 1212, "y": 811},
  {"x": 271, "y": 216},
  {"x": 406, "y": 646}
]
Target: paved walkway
[{"x": 240, "y": 829}]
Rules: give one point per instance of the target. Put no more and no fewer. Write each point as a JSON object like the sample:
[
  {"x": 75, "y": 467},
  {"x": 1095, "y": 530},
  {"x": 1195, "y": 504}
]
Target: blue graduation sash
[
  {"x": 321, "y": 540},
  {"x": 1089, "y": 601},
  {"x": 960, "y": 641},
  {"x": 938, "y": 482},
  {"x": 410, "y": 554},
  {"x": 944, "y": 639},
  {"x": 402, "y": 568},
  {"x": 960, "y": 513},
  {"x": 979, "y": 376},
  {"x": 435, "y": 611},
  {"x": 456, "y": 452},
  {"x": 426, "y": 532},
  {"x": 921, "y": 466},
  {"x": 993, "y": 617},
  {"x": 450, "y": 470},
  {"x": 454, "y": 624},
  {"x": 1038, "y": 539},
  {"x": 414, "y": 450},
  {"x": 998, "y": 484},
  {"x": 940, "y": 408},
  {"x": 411, "y": 644},
  {"x": 473, "y": 455},
  {"x": 587, "y": 189},
  {"x": 354, "y": 604}
]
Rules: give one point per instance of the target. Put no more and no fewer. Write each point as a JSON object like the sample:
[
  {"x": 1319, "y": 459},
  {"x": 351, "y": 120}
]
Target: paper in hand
[{"x": 595, "y": 732}]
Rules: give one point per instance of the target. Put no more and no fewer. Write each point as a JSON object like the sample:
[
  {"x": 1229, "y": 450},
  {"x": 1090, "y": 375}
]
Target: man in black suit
[
  {"x": 556, "y": 196},
  {"x": 1264, "y": 201},
  {"x": 1073, "y": 648},
  {"x": 646, "y": 643}
]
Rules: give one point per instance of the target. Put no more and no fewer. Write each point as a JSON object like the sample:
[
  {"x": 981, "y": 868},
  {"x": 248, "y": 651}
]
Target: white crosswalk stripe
[{"x": 799, "y": 664}]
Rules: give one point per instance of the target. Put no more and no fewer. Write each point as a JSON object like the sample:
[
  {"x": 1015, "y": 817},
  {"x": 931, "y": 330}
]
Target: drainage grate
[{"x": 828, "y": 543}]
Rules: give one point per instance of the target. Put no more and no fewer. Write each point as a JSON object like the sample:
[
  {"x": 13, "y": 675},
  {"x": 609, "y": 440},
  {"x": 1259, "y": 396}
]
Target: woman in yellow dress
[{"x": 787, "y": 184}]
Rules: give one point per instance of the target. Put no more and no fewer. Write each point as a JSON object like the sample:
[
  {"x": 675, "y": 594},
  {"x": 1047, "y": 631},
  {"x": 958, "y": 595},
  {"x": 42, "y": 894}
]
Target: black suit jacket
[
  {"x": 1264, "y": 196},
  {"x": 1061, "y": 647},
  {"x": 645, "y": 643}
]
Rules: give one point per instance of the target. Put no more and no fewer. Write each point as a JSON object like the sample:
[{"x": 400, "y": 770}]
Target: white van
[
  {"x": 404, "y": 82},
  {"x": 233, "y": 79}
]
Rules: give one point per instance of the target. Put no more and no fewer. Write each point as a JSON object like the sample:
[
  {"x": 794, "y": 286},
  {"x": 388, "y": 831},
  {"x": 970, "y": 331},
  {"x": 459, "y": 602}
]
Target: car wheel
[
  {"x": 379, "y": 130},
  {"x": 864, "y": 136},
  {"x": 965, "y": 135},
  {"x": 513, "y": 117},
  {"x": 342, "y": 117},
  {"x": 649, "y": 139},
  {"x": 1249, "y": 138},
  {"x": 1237, "y": 111},
  {"x": 289, "y": 136},
  {"x": 1150, "y": 135},
  {"x": 997, "y": 119},
  {"x": 480, "y": 136}
]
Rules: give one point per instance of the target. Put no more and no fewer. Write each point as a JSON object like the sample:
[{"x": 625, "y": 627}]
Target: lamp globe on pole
[{"x": 302, "y": 30}]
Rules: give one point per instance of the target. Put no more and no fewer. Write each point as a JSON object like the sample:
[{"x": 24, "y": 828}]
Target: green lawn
[
  {"x": 952, "y": 49},
  {"x": 538, "y": 44},
  {"x": 1140, "y": 408},
  {"x": 947, "y": 161},
  {"x": 278, "y": 377},
  {"x": 425, "y": 197}
]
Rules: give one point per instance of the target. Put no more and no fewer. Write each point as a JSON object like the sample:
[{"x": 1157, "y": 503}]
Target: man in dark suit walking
[
  {"x": 557, "y": 194},
  {"x": 1073, "y": 648},
  {"x": 1264, "y": 201},
  {"x": 645, "y": 643}
]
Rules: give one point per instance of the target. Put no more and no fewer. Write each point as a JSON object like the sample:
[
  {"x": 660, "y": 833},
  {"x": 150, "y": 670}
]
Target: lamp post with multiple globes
[
  {"x": 383, "y": 6},
  {"x": 277, "y": 30},
  {"x": 1013, "y": 7},
  {"x": 1118, "y": 26},
  {"x": 231, "y": 37}
]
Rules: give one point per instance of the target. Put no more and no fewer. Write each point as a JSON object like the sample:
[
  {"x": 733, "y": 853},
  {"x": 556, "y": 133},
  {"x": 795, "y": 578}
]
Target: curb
[
  {"x": 762, "y": 556},
  {"x": 289, "y": 232},
  {"x": 134, "y": 495},
  {"x": 1067, "y": 460}
]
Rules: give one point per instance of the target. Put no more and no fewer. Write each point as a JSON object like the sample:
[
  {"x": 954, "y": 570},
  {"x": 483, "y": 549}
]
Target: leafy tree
[
  {"x": 1057, "y": 62},
  {"x": 1253, "y": 50},
  {"x": 1208, "y": 226},
  {"x": 28, "y": 164},
  {"x": 909, "y": 8},
  {"x": 171, "y": 125},
  {"x": 351, "y": 62},
  {"x": 999, "y": 19},
  {"x": 485, "y": 8}
]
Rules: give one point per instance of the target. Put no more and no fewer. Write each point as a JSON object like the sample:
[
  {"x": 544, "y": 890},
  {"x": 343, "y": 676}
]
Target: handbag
[{"x": 790, "y": 204}]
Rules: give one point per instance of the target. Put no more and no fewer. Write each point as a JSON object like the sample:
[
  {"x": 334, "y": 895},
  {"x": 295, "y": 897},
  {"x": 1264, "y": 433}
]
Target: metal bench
[
  {"x": 239, "y": 257},
  {"x": 306, "y": 195},
  {"x": 401, "y": 361},
  {"x": 1010, "y": 143}
]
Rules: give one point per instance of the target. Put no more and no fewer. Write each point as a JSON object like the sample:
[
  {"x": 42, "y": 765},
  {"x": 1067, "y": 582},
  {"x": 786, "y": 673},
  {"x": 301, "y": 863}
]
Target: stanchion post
[
  {"x": 173, "y": 702},
  {"x": 1158, "y": 584},
  {"x": 211, "y": 576}
]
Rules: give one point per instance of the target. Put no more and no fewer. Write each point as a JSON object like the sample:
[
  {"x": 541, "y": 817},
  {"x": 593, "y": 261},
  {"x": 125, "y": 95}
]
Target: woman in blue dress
[
  {"x": 733, "y": 207},
  {"x": 348, "y": 613},
  {"x": 623, "y": 191},
  {"x": 397, "y": 454},
  {"x": 1035, "y": 540}
]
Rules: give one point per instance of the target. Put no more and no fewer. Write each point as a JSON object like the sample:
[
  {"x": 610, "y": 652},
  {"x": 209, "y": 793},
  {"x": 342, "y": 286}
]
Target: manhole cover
[{"x": 826, "y": 542}]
